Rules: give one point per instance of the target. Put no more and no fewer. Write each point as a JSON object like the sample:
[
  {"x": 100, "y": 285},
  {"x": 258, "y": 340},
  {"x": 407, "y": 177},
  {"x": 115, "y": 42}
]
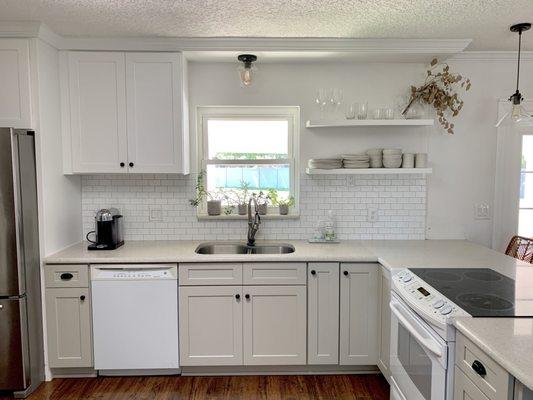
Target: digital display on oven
[{"x": 423, "y": 291}]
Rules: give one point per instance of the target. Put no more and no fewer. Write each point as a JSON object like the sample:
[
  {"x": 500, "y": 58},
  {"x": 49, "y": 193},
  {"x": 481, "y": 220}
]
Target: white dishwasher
[{"x": 135, "y": 317}]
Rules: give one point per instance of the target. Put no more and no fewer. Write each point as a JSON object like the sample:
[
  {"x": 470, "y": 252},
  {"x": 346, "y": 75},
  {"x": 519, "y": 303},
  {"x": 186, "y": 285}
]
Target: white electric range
[{"x": 423, "y": 303}]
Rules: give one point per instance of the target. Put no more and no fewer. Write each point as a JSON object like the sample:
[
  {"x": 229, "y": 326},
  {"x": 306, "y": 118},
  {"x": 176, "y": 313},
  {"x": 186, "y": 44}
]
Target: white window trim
[{"x": 290, "y": 113}]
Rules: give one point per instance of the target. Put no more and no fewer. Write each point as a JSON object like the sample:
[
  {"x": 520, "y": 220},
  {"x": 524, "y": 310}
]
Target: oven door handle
[{"x": 424, "y": 341}]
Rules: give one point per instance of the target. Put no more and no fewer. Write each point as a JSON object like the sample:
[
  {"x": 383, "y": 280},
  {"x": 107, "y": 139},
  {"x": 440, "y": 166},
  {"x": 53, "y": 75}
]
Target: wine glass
[{"x": 322, "y": 99}]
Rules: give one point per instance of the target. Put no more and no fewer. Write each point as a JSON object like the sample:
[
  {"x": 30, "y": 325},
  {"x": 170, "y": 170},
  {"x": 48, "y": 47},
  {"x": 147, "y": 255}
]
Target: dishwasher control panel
[{"x": 134, "y": 272}]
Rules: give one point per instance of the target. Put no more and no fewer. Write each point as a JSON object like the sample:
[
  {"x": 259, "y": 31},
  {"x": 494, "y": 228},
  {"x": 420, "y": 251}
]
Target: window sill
[{"x": 223, "y": 217}]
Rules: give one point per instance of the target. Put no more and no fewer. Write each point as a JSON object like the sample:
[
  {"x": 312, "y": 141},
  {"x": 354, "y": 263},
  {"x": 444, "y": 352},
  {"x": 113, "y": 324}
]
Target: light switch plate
[
  {"x": 156, "y": 214},
  {"x": 482, "y": 211}
]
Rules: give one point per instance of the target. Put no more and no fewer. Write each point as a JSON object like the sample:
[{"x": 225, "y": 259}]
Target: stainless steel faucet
[{"x": 253, "y": 223}]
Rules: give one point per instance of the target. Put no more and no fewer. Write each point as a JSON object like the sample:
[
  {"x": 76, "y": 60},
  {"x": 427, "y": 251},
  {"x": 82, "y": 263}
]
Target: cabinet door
[
  {"x": 154, "y": 112},
  {"x": 68, "y": 317},
  {"x": 323, "y": 313},
  {"x": 274, "y": 325},
  {"x": 464, "y": 388},
  {"x": 97, "y": 98},
  {"x": 210, "y": 325},
  {"x": 359, "y": 314},
  {"x": 15, "y": 107},
  {"x": 384, "y": 322}
]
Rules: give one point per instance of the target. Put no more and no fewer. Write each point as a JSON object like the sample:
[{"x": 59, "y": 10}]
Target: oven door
[{"x": 418, "y": 356}]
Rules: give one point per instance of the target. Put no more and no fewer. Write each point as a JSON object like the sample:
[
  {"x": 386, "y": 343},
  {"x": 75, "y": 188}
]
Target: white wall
[
  {"x": 464, "y": 164},
  {"x": 60, "y": 195}
]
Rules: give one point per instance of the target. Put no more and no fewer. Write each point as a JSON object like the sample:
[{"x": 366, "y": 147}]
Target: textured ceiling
[{"x": 484, "y": 21}]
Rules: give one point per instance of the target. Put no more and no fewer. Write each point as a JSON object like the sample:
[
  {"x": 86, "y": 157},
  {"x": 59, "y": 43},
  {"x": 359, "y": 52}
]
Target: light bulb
[{"x": 246, "y": 76}]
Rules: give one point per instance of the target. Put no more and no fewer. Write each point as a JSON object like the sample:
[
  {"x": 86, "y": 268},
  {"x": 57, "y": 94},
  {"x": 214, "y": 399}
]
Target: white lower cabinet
[
  {"x": 323, "y": 313},
  {"x": 359, "y": 314},
  {"x": 274, "y": 329},
  {"x": 210, "y": 325},
  {"x": 68, "y": 314},
  {"x": 464, "y": 388}
]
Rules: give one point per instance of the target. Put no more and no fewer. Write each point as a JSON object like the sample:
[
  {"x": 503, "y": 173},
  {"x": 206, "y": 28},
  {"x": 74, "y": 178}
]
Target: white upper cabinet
[
  {"x": 154, "y": 117},
  {"x": 124, "y": 112},
  {"x": 97, "y": 112},
  {"x": 15, "y": 106}
]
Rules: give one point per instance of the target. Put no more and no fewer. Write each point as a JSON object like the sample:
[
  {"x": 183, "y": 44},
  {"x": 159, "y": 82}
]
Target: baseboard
[
  {"x": 281, "y": 370},
  {"x": 138, "y": 372},
  {"x": 73, "y": 373}
]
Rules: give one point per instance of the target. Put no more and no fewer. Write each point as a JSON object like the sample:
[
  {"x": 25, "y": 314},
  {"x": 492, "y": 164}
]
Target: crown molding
[
  {"x": 30, "y": 29},
  {"x": 492, "y": 56}
]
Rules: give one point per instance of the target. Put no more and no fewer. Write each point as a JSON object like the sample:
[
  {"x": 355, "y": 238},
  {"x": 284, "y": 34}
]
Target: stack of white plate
[
  {"x": 376, "y": 158},
  {"x": 392, "y": 158},
  {"x": 325, "y": 163},
  {"x": 355, "y": 160}
]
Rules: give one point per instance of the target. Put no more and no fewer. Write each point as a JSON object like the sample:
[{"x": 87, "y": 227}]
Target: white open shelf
[
  {"x": 368, "y": 171},
  {"x": 369, "y": 122}
]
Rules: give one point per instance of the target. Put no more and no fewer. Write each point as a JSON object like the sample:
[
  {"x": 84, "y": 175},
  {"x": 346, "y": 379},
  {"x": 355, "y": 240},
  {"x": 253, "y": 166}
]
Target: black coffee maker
[{"x": 109, "y": 233}]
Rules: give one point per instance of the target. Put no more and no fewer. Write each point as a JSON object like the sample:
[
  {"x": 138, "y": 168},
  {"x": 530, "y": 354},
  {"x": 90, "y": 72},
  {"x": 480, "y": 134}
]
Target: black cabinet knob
[
  {"x": 237, "y": 296},
  {"x": 479, "y": 368},
  {"x": 313, "y": 272},
  {"x": 345, "y": 273},
  {"x": 122, "y": 164},
  {"x": 131, "y": 164},
  {"x": 247, "y": 296},
  {"x": 82, "y": 297},
  {"x": 66, "y": 276}
]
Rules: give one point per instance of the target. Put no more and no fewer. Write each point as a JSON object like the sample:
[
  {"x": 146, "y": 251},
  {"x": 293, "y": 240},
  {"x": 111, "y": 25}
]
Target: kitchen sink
[{"x": 241, "y": 248}]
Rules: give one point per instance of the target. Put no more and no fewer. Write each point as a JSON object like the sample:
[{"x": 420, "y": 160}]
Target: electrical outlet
[
  {"x": 156, "y": 214},
  {"x": 350, "y": 180},
  {"x": 482, "y": 211},
  {"x": 372, "y": 214}
]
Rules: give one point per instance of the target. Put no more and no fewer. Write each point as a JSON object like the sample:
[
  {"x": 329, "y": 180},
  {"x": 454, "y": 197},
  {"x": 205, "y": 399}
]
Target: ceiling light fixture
[
  {"x": 518, "y": 115},
  {"x": 247, "y": 69}
]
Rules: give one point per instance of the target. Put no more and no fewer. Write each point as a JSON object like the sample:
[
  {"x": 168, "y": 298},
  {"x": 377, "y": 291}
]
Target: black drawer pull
[
  {"x": 131, "y": 164},
  {"x": 122, "y": 164},
  {"x": 66, "y": 276},
  {"x": 479, "y": 368},
  {"x": 237, "y": 296},
  {"x": 247, "y": 296},
  {"x": 313, "y": 272},
  {"x": 345, "y": 273},
  {"x": 82, "y": 297}
]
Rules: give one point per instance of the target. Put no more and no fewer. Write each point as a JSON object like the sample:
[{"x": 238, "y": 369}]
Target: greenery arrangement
[
  {"x": 276, "y": 201},
  {"x": 201, "y": 193},
  {"x": 440, "y": 91}
]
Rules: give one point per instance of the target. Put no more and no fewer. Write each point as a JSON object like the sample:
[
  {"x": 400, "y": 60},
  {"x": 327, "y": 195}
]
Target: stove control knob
[
  {"x": 407, "y": 278},
  {"x": 446, "y": 310},
  {"x": 438, "y": 304}
]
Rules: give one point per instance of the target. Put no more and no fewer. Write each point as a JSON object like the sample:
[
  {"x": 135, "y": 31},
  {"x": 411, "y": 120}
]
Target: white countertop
[
  {"x": 509, "y": 341},
  {"x": 390, "y": 253}
]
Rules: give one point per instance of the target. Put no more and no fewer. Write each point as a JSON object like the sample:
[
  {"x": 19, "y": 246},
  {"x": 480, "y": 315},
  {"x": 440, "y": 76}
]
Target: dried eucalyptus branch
[{"x": 440, "y": 91}]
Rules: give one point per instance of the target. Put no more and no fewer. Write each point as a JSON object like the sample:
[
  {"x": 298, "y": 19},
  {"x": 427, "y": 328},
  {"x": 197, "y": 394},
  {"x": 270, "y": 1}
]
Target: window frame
[
  {"x": 291, "y": 114},
  {"x": 524, "y": 172}
]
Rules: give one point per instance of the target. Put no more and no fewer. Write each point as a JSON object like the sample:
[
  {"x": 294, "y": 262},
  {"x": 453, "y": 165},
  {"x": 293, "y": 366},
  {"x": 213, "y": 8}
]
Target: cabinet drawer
[
  {"x": 205, "y": 274},
  {"x": 495, "y": 382},
  {"x": 464, "y": 388},
  {"x": 60, "y": 276},
  {"x": 275, "y": 274}
]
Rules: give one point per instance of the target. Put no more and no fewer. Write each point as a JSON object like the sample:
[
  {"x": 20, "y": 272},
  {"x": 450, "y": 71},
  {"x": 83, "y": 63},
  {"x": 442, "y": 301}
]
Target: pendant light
[
  {"x": 518, "y": 115},
  {"x": 247, "y": 69}
]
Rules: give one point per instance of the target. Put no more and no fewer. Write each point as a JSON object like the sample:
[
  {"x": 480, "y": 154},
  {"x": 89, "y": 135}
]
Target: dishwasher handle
[{"x": 121, "y": 272}]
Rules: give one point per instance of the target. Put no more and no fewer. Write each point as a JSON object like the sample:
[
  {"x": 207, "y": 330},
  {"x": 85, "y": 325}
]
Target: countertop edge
[{"x": 522, "y": 376}]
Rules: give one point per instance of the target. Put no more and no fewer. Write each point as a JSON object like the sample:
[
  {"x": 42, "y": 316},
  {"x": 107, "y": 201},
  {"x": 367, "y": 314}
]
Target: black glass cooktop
[{"x": 483, "y": 292}]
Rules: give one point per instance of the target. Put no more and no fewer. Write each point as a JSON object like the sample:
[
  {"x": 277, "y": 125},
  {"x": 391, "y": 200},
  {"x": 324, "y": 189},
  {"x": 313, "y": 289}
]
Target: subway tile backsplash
[{"x": 156, "y": 207}]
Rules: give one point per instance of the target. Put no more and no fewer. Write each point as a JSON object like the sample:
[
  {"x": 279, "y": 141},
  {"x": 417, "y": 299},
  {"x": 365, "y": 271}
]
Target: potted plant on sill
[
  {"x": 262, "y": 202},
  {"x": 242, "y": 198},
  {"x": 214, "y": 204},
  {"x": 283, "y": 204}
]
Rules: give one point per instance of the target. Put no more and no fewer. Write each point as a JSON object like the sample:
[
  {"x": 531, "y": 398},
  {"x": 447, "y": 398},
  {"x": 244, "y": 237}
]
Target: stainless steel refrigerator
[{"x": 21, "y": 348}]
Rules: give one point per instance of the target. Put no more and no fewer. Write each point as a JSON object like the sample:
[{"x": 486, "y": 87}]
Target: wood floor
[{"x": 324, "y": 387}]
